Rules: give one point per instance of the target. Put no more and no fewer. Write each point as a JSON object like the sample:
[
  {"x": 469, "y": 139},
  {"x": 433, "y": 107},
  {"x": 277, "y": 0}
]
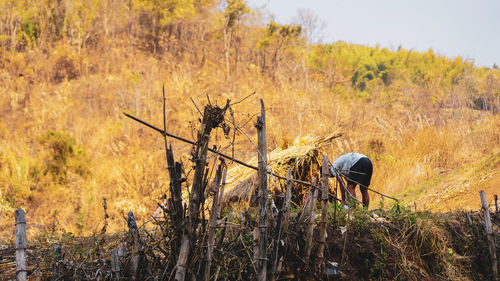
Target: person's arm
[{"x": 331, "y": 171}]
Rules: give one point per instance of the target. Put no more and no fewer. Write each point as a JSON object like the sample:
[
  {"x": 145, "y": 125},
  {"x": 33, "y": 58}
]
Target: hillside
[{"x": 69, "y": 68}]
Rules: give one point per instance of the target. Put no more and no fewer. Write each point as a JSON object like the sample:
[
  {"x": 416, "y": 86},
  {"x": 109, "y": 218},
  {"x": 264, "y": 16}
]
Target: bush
[{"x": 64, "y": 155}]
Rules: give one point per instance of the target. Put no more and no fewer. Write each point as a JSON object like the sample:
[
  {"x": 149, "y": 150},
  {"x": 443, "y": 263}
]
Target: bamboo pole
[
  {"x": 489, "y": 234},
  {"x": 21, "y": 272},
  {"x": 174, "y": 172},
  {"x": 310, "y": 220},
  {"x": 324, "y": 209},
  {"x": 262, "y": 165},
  {"x": 212, "y": 117},
  {"x": 135, "y": 245},
  {"x": 180, "y": 273},
  {"x": 276, "y": 244},
  {"x": 288, "y": 198},
  {"x": 115, "y": 264},
  {"x": 213, "y": 221},
  {"x": 496, "y": 205},
  {"x": 221, "y": 192},
  {"x": 57, "y": 259}
]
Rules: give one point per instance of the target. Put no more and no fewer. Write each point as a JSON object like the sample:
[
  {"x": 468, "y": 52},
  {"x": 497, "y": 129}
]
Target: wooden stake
[
  {"x": 288, "y": 197},
  {"x": 212, "y": 117},
  {"x": 221, "y": 192},
  {"x": 213, "y": 221},
  {"x": 180, "y": 273},
  {"x": 115, "y": 264},
  {"x": 277, "y": 238},
  {"x": 310, "y": 223},
  {"x": 57, "y": 259},
  {"x": 176, "y": 210},
  {"x": 489, "y": 234},
  {"x": 324, "y": 209},
  {"x": 21, "y": 272},
  {"x": 496, "y": 205},
  {"x": 262, "y": 166},
  {"x": 135, "y": 245}
]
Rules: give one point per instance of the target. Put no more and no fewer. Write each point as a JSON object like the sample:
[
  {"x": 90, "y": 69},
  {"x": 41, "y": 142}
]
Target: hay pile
[{"x": 304, "y": 156}]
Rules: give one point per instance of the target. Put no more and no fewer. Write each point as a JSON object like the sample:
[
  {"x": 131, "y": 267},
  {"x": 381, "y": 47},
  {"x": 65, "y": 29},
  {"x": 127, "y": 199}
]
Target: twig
[
  {"x": 243, "y": 99},
  {"x": 197, "y": 108},
  {"x": 249, "y": 256}
]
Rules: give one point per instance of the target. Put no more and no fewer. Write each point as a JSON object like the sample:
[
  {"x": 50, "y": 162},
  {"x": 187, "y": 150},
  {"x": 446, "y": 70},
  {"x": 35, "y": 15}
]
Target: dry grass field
[{"x": 429, "y": 123}]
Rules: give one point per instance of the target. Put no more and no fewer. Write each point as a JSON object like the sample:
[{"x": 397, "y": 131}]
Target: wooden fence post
[
  {"x": 277, "y": 238},
  {"x": 212, "y": 117},
  {"x": 310, "y": 219},
  {"x": 57, "y": 258},
  {"x": 496, "y": 205},
  {"x": 21, "y": 272},
  {"x": 489, "y": 234},
  {"x": 324, "y": 209},
  {"x": 115, "y": 264},
  {"x": 213, "y": 220},
  {"x": 139, "y": 265},
  {"x": 262, "y": 165},
  {"x": 288, "y": 198}
]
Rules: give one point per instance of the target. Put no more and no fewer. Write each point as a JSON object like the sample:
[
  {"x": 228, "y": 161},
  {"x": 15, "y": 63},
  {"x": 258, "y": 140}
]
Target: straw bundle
[{"x": 303, "y": 156}]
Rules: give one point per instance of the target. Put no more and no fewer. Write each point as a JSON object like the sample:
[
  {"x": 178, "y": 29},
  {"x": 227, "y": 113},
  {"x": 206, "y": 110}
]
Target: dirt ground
[{"x": 468, "y": 198}]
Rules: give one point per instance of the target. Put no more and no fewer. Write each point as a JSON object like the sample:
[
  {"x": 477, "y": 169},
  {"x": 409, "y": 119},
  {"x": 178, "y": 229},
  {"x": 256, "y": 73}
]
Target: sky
[{"x": 466, "y": 28}]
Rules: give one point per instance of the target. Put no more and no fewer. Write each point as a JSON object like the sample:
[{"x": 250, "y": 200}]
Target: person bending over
[{"x": 358, "y": 169}]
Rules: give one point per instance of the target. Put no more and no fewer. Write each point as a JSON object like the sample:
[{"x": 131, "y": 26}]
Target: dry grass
[
  {"x": 82, "y": 94},
  {"x": 303, "y": 157}
]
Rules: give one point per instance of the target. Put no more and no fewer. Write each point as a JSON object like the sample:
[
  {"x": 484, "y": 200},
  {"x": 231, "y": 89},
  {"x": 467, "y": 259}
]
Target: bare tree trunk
[
  {"x": 262, "y": 165},
  {"x": 227, "y": 45},
  {"x": 21, "y": 272},
  {"x": 130, "y": 35},
  {"x": 13, "y": 35}
]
